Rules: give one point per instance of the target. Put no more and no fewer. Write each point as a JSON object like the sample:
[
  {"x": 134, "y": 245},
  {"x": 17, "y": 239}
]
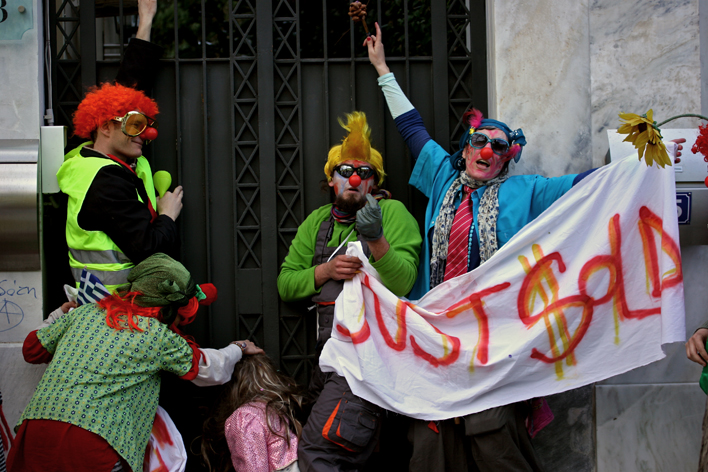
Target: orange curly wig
[{"x": 103, "y": 103}]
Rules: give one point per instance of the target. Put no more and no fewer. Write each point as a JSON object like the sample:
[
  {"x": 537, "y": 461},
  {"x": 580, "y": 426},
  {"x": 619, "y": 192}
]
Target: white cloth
[
  {"x": 606, "y": 256},
  {"x": 165, "y": 451},
  {"x": 217, "y": 365},
  {"x": 52, "y": 317},
  {"x": 71, "y": 294}
]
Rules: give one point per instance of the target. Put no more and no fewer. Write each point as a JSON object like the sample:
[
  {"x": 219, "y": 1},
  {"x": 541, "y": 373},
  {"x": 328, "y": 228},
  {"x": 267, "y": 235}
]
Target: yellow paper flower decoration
[{"x": 645, "y": 136}]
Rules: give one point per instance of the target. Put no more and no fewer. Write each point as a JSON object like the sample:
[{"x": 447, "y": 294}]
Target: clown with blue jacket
[{"x": 474, "y": 208}]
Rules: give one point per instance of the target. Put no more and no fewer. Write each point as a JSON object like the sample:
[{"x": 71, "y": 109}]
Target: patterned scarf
[
  {"x": 486, "y": 220},
  {"x": 348, "y": 218}
]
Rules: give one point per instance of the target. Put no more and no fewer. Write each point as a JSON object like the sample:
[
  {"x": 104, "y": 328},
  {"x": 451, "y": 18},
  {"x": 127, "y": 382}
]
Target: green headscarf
[{"x": 164, "y": 282}]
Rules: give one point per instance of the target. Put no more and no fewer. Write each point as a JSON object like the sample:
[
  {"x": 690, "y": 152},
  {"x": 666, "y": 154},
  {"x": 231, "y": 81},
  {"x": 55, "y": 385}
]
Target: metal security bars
[
  {"x": 249, "y": 93},
  {"x": 466, "y": 32},
  {"x": 66, "y": 73}
]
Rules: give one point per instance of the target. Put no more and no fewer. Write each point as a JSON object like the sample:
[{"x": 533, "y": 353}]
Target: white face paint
[
  {"x": 483, "y": 164},
  {"x": 343, "y": 187}
]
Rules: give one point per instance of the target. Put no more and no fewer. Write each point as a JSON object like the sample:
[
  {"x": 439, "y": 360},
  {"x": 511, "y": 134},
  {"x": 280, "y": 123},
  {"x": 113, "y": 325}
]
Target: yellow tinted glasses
[{"x": 134, "y": 123}]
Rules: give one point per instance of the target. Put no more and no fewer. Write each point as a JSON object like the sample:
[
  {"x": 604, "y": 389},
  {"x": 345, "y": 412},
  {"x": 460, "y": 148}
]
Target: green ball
[{"x": 162, "y": 180}]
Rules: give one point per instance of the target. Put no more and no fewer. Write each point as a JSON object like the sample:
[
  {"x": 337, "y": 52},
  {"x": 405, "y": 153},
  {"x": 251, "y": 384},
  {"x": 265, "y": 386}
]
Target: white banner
[{"x": 592, "y": 288}]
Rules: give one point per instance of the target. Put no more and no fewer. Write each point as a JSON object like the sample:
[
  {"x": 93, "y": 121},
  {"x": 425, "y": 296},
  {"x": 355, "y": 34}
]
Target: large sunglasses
[
  {"x": 479, "y": 140},
  {"x": 134, "y": 123},
  {"x": 346, "y": 171}
]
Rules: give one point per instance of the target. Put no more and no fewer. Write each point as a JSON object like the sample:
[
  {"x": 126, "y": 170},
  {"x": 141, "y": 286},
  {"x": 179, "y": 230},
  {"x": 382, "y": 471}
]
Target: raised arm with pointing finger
[{"x": 140, "y": 62}]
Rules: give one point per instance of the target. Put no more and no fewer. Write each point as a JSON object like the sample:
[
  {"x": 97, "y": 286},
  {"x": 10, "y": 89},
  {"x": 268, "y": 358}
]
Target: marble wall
[
  {"x": 541, "y": 81},
  {"x": 18, "y": 380},
  {"x": 563, "y": 71},
  {"x": 643, "y": 54},
  {"x": 648, "y": 427}
]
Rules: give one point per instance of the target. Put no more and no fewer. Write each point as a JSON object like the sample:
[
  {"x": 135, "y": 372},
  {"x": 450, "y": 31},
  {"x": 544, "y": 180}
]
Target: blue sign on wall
[
  {"x": 683, "y": 207},
  {"x": 15, "y": 19}
]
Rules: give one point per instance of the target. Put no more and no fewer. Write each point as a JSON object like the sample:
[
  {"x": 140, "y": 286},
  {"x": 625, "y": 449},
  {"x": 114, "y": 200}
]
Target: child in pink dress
[{"x": 256, "y": 420}]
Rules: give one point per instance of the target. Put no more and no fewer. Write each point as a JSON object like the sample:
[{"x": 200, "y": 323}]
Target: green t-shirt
[
  {"x": 398, "y": 268},
  {"x": 106, "y": 380}
]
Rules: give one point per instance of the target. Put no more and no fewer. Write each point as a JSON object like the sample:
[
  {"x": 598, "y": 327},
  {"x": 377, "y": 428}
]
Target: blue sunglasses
[{"x": 479, "y": 140}]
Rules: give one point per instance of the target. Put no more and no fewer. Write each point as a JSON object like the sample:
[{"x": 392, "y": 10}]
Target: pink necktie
[{"x": 459, "y": 238}]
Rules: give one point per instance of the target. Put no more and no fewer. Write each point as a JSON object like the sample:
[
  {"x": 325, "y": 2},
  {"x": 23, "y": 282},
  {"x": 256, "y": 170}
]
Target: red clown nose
[
  {"x": 149, "y": 134},
  {"x": 354, "y": 180},
  {"x": 486, "y": 152}
]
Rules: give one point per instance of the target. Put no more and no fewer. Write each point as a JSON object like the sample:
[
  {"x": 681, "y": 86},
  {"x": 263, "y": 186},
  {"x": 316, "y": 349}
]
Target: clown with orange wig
[
  {"x": 317, "y": 266},
  {"x": 114, "y": 220},
  {"x": 94, "y": 407},
  {"x": 474, "y": 208}
]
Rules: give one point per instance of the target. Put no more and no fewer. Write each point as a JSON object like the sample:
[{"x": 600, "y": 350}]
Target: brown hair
[{"x": 255, "y": 379}]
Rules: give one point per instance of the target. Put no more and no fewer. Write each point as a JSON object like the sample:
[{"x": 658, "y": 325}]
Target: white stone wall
[
  {"x": 21, "y": 103},
  {"x": 562, "y": 71},
  {"x": 541, "y": 81},
  {"x": 643, "y": 55}
]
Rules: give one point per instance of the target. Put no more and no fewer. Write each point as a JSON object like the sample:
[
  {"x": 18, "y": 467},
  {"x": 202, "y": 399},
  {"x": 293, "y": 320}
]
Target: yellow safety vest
[{"x": 94, "y": 249}]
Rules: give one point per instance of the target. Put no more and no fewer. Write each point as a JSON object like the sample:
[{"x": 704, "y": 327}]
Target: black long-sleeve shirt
[
  {"x": 112, "y": 206},
  {"x": 138, "y": 68}
]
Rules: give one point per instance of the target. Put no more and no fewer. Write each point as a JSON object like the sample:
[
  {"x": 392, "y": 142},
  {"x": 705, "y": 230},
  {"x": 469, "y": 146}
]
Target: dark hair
[
  {"x": 255, "y": 379},
  {"x": 325, "y": 188}
]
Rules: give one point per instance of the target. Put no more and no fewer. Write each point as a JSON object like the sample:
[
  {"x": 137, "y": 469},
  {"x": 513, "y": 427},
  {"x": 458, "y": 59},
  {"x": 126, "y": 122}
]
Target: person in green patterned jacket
[{"x": 94, "y": 407}]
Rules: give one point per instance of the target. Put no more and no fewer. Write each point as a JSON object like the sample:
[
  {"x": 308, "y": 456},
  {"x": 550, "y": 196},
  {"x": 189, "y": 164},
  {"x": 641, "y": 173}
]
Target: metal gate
[{"x": 249, "y": 94}]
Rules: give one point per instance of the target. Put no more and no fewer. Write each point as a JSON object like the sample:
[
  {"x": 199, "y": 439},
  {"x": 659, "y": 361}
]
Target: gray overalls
[
  {"x": 324, "y": 301},
  {"x": 342, "y": 429}
]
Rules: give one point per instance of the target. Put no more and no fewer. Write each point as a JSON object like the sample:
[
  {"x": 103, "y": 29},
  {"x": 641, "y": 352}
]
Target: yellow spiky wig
[{"x": 356, "y": 146}]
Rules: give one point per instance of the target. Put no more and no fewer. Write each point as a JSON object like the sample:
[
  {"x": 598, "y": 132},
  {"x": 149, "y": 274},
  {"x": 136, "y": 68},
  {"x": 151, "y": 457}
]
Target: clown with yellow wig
[{"x": 317, "y": 266}]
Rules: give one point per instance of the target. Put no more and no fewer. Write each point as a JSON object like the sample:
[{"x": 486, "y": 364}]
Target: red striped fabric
[{"x": 459, "y": 238}]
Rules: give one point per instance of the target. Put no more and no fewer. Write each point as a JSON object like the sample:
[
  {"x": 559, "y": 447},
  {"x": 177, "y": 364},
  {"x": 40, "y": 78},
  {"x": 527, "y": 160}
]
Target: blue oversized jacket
[{"x": 521, "y": 199}]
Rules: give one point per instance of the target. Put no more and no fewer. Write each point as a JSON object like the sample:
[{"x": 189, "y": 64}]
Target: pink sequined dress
[{"x": 253, "y": 447}]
